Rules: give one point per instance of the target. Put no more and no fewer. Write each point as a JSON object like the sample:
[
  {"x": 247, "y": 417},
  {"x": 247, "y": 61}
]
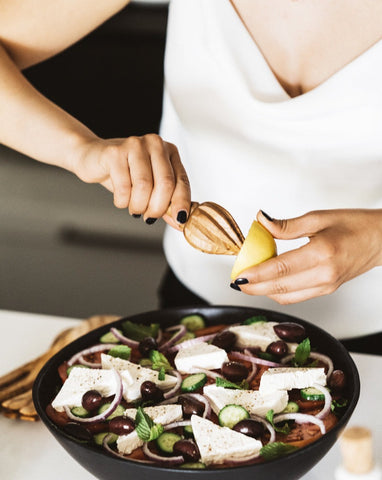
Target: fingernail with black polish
[
  {"x": 235, "y": 287},
  {"x": 267, "y": 216},
  {"x": 241, "y": 281},
  {"x": 181, "y": 217},
  {"x": 150, "y": 220},
  {"x": 136, "y": 215}
]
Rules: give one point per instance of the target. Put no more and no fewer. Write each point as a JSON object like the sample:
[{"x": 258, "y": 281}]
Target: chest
[{"x": 304, "y": 41}]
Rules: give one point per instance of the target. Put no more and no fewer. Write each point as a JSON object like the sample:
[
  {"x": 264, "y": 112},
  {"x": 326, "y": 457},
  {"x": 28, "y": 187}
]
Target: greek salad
[{"x": 194, "y": 396}]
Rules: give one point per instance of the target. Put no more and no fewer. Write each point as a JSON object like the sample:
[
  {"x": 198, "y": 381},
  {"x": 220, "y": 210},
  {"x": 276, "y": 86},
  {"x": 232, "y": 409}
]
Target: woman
[{"x": 273, "y": 105}]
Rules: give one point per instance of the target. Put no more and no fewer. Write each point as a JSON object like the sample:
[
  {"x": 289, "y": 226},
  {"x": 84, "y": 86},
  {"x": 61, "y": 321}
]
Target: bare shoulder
[{"x": 33, "y": 30}]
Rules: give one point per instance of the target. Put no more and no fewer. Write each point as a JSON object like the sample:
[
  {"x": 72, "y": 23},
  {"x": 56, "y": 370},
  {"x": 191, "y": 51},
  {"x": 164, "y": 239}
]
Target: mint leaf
[
  {"x": 138, "y": 331},
  {"x": 302, "y": 353},
  {"x": 162, "y": 374},
  {"x": 159, "y": 361},
  {"x": 276, "y": 450},
  {"x": 285, "y": 429},
  {"x": 222, "y": 382},
  {"x": 255, "y": 319},
  {"x": 146, "y": 429},
  {"x": 120, "y": 351}
]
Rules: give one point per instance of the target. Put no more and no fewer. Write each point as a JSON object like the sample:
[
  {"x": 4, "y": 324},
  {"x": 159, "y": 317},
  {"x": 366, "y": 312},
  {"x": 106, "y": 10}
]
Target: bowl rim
[{"x": 183, "y": 311}]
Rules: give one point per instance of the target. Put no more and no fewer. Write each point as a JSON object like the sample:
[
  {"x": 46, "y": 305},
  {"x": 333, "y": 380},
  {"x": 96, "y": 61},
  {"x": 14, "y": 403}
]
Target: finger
[
  {"x": 289, "y": 263},
  {"x": 299, "y": 296},
  {"x": 181, "y": 198},
  {"x": 141, "y": 179},
  {"x": 108, "y": 184},
  {"x": 120, "y": 182},
  {"x": 313, "y": 278},
  {"x": 164, "y": 179},
  {"x": 304, "y": 226}
]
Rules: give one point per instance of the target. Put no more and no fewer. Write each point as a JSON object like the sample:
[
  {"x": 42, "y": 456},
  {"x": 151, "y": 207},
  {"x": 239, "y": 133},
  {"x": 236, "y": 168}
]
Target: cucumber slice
[
  {"x": 166, "y": 441},
  {"x": 138, "y": 331},
  {"x": 291, "y": 407},
  {"x": 312, "y": 394},
  {"x": 193, "y": 322},
  {"x": 186, "y": 336},
  {"x": 230, "y": 415},
  {"x": 193, "y": 382},
  {"x": 188, "y": 432},
  {"x": 80, "y": 412},
  {"x": 117, "y": 412},
  {"x": 194, "y": 465},
  {"x": 109, "y": 338},
  {"x": 98, "y": 438},
  {"x": 120, "y": 351},
  {"x": 75, "y": 366}
]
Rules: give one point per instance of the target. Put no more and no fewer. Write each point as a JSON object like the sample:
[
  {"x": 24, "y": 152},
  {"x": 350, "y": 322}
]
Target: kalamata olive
[
  {"x": 278, "y": 349},
  {"x": 190, "y": 406},
  {"x": 225, "y": 340},
  {"x": 187, "y": 449},
  {"x": 78, "y": 431},
  {"x": 290, "y": 332},
  {"x": 147, "y": 344},
  {"x": 91, "y": 400},
  {"x": 121, "y": 425},
  {"x": 234, "y": 371},
  {"x": 249, "y": 427},
  {"x": 337, "y": 380},
  {"x": 150, "y": 391}
]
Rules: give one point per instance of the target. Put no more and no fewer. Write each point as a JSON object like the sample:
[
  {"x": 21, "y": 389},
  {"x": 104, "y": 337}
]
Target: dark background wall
[{"x": 112, "y": 80}]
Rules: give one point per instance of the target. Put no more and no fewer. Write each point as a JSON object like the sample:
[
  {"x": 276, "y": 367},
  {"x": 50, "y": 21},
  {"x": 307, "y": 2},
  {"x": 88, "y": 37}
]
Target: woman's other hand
[
  {"x": 342, "y": 245},
  {"x": 145, "y": 175}
]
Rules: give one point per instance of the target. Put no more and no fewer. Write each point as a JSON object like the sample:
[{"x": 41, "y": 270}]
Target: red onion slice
[
  {"x": 316, "y": 356},
  {"x": 102, "y": 416},
  {"x": 180, "y": 332},
  {"x": 328, "y": 401},
  {"x": 252, "y": 373},
  {"x": 125, "y": 340},
  {"x": 251, "y": 359},
  {"x": 267, "y": 425},
  {"x": 191, "y": 343},
  {"x": 183, "y": 423},
  {"x": 82, "y": 361},
  {"x": 158, "y": 458},
  {"x": 300, "y": 418},
  {"x": 176, "y": 387},
  {"x": 209, "y": 373},
  {"x": 159, "y": 336},
  {"x": 120, "y": 455},
  {"x": 94, "y": 349}
]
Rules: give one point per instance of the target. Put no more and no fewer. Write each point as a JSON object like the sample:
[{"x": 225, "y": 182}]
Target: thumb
[{"x": 286, "y": 229}]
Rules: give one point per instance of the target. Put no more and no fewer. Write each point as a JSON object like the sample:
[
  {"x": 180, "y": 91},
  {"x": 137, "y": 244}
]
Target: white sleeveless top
[{"x": 247, "y": 145}]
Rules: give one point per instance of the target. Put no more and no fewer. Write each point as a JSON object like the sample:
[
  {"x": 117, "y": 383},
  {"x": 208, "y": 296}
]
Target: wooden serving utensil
[{"x": 16, "y": 386}]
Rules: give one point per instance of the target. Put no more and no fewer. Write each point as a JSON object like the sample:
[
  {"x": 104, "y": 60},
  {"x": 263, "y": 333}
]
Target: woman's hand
[
  {"x": 144, "y": 174},
  {"x": 342, "y": 245}
]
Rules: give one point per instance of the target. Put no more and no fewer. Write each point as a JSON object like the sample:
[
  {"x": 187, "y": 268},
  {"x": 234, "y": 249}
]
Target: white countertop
[{"x": 29, "y": 452}]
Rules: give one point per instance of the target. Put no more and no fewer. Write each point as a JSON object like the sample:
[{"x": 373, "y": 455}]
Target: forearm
[{"x": 32, "y": 124}]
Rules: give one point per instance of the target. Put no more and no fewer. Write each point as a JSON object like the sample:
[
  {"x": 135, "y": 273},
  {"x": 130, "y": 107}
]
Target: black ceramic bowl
[{"x": 107, "y": 467}]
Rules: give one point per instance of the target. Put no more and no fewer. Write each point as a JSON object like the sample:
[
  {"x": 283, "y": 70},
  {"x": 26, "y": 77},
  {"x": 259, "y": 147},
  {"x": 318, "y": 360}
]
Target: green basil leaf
[
  {"x": 138, "y": 331},
  {"x": 285, "y": 429},
  {"x": 146, "y": 429},
  {"x": 159, "y": 361},
  {"x": 302, "y": 353},
  {"x": 222, "y": 382},
  {"x": 276, "y": 450},
  {"x": 255, "y": 319}
]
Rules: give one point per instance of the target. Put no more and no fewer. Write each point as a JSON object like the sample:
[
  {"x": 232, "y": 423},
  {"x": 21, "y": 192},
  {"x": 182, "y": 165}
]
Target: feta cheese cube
[
  {"x": 253, "y": 401},
  {"x": 201, "y": 355},
  {"x": 134, "y": 375},
  {"x": 286, "y": 378},
  {"x": 163, "y": 414},
  {"x": 258, "y": 334},
  {"x": 220, "y": 444},
  {"x": 79, "y": 382}
]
